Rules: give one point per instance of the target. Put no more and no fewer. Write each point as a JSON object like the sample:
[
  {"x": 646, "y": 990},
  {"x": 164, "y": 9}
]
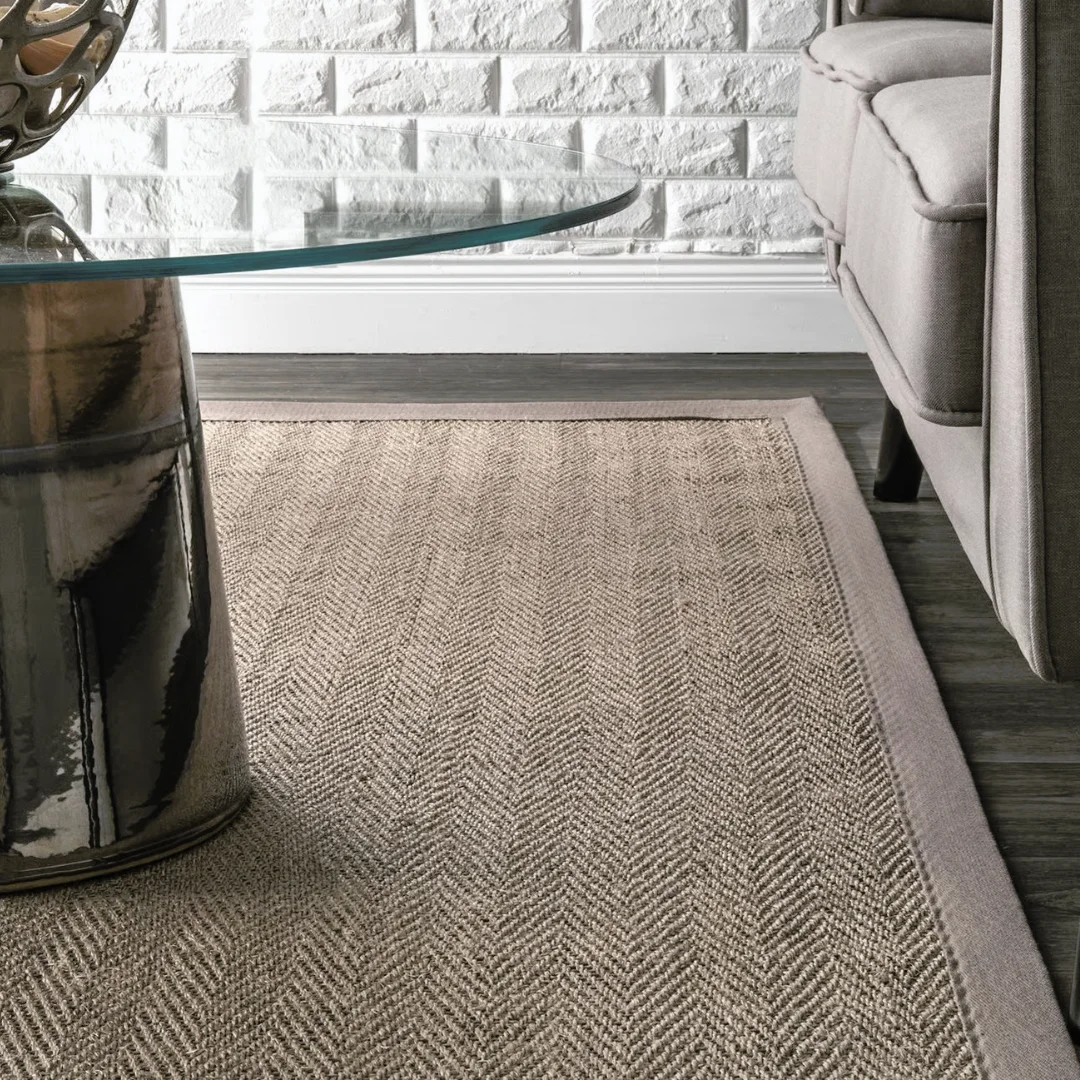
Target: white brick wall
[{"x": 698, "y": 94}]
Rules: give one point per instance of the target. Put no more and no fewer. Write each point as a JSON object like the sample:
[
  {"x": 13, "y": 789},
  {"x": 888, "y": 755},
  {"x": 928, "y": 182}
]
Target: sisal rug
[{"x": 589, "y": 741}]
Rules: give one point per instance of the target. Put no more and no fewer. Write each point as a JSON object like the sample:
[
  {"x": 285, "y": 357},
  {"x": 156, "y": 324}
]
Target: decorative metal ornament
[
  {"x": 32, "y": 229},
  {"x": 52, "y": 54}
]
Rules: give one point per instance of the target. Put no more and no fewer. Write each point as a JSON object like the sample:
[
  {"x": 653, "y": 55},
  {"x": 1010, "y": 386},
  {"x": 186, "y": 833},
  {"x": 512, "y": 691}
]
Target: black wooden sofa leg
[{"x": 899, "y": 471}]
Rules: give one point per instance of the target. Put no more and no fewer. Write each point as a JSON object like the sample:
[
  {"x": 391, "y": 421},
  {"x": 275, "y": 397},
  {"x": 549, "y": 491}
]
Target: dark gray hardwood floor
[{"x": 1021, "y": 736}]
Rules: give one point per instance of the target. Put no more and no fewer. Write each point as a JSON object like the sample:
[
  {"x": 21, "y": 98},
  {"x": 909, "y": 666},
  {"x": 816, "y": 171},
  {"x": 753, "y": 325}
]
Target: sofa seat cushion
[
  {"x": 914, "y": 265},
  {"x": 848, "y": 62}
]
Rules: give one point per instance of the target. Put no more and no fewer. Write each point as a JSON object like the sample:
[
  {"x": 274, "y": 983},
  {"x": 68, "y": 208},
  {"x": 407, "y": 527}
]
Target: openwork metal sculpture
[{"x": 52, "y": 54}]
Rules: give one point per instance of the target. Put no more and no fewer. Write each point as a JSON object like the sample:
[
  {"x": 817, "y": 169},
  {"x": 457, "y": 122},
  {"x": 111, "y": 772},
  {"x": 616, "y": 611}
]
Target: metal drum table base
[{"x": 121, "y": 735}]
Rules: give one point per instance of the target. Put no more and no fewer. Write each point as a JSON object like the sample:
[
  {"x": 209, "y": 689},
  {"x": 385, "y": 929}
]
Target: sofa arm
[
  {"x": 1032, "y": 380},
  {"x": 976, "y": 10}
]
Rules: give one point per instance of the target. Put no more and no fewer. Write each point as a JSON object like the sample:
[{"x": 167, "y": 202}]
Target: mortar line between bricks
[
  {"x": 421, "y": 26},
  {"x": 250, "y": 108}
]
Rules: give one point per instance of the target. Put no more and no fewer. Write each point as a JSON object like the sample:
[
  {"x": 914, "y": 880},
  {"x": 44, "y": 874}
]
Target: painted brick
[
  {"x": 483, "y": 26},
  {"x": 783, "y": 24},
  {"x": 502, "y": 145},
  {"x": 752, "y": 210},
  {"x": 287, "y": 146},
  {"x": 733, "y": 84},
  {"x": 147, "y": 30},
  {"x": 664, "y": 147},
  {"x": 696, "y": 94},
  {"x": 421, "y": 197},
  {"x": 643, "y": 220},
  {"x": 110, "y": 144},
  {"x": 329, "y": 25},
  {"x": 139, "y": 248},
  {"x": 551, "y": 131},
  {"x": 591, "y": 246},
  {"x": 151, "y": 206},
  {"x": 210, "y": 25},
  {"x": 379, "y": 207},
  {"x": 298, "y": 147},
  {"x": 201, "y": 144},
  {"x": 196, "y": 245},
  {"x": 284, "y": 206},
  {"x": 581, "y": 84},
  {"x": 69, "y": 194},
  {"x": 538, "y": 246},
  {"x": 770, "y": 141},
  {"x": 725, "y": 246},
  {"x": 372, "y": 84},
  {"x": 152, "y": 84},
  {"x": 292, "y": 83},
  {"x": 810, "y": 245},
  {"x": 665, "y": 24},
  {"x": 533, "y": 198}
]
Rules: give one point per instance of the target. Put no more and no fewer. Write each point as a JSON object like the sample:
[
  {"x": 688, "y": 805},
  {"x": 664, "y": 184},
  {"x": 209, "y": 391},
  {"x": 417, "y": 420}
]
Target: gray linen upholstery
[
  {"x": 1025, "y": 543},
  {"x": 916, "y": 238},
  {"x": 848, "y": 62},
  {"x": 982, "y": 10},
  {"x": 1033, "y": 359},
  {"x": 880, "y": 53},
  {"x": 838, "y": 11},
  {"x": 942, "y": 125}
]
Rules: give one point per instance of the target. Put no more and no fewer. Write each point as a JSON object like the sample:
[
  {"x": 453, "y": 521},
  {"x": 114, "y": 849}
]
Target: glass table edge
[{"x": 299, "y": 258}]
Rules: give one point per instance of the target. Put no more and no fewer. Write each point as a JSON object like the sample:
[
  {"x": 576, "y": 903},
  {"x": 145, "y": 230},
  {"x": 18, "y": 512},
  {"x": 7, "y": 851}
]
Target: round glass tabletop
[{"x": 290, "y": 195}]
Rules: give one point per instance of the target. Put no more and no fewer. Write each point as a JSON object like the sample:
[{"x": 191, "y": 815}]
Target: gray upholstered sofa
[{"x": 938, "y": 146}]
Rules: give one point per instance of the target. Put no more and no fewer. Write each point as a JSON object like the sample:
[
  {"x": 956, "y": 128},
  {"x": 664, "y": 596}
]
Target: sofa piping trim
[
  {"x": 826, "y": 225},
  {"x": 901, "y": 385},
  {"x": 923, "y": 206},
  {"x": 820, "y": 67}
]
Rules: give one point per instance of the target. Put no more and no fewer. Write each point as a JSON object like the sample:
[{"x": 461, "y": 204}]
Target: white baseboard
[{"x": 523, "y": 304}]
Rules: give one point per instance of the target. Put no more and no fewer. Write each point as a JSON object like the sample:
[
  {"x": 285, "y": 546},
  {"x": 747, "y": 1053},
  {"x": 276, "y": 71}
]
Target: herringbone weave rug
[{"x": 566, "y": 765}]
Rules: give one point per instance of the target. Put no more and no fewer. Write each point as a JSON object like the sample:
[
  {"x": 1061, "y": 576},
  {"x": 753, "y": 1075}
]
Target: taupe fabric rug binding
[{"x": 588, "y": 749}]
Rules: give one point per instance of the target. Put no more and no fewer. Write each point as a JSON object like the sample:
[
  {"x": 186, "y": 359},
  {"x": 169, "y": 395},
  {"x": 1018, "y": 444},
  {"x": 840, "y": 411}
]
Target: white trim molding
[{"x": 526, "y": 304}]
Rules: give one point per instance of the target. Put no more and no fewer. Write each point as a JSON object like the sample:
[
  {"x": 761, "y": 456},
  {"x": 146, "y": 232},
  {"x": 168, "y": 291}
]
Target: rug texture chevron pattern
[{"x": 589, "y": 741}]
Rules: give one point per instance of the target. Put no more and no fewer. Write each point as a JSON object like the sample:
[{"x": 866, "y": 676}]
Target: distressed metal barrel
[{"x": 121, "y": 735}]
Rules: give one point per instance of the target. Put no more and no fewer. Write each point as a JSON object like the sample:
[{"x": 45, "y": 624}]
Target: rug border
[
  {"x": 320, "y": 411},
  {"x": 1002, "y": 982},
  {"x": 1002, "y": 985}
]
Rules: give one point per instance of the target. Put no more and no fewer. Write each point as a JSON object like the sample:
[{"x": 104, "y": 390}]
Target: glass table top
[{"x": 289, "y": 195}]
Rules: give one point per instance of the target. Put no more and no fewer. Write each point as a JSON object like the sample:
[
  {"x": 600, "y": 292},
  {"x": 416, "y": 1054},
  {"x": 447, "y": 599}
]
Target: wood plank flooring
[{"x": 1021, "y": 736}]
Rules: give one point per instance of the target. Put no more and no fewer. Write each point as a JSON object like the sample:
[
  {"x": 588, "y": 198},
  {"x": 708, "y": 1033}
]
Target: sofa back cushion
[{"x": 976, "y": 10}]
